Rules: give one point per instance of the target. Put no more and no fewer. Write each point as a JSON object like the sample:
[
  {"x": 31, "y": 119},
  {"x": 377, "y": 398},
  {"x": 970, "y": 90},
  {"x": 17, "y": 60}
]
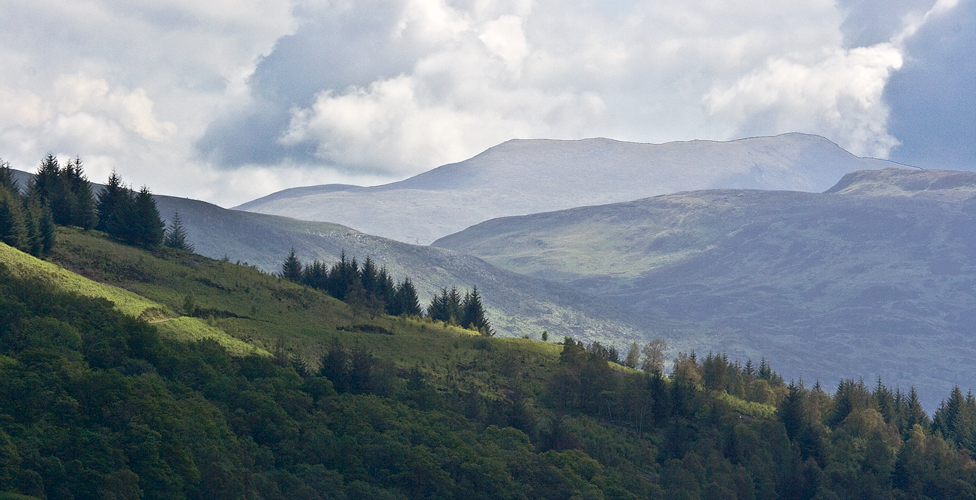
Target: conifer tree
[
  {"x": 148, "y": 227},
  {"x": 473, "y": 314},
  {"x": 83, "y": 211},
  {"x": 12, "y": 226},
  {"x": 291, "y": 269},
  {"x": 405, "y": 300},
  {"x": 113, "y": 202},
  {"x": 176, "y": 235}
]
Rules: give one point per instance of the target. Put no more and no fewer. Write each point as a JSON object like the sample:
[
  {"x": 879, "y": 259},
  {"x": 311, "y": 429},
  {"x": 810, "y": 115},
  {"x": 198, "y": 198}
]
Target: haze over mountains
[{"x": 522, "y": 177}]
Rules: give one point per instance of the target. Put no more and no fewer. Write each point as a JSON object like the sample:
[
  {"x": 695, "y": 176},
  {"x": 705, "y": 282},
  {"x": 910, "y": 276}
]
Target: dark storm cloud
[{"x": 933, "y": 96}]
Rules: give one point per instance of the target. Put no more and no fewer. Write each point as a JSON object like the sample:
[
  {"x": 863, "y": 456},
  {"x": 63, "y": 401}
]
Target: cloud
[
  {"x": 931, "y": 98},
  {"x": 838, "y": 95},
  {"x": 395, "y": 87},
  {"x": 228, "y": 92}
]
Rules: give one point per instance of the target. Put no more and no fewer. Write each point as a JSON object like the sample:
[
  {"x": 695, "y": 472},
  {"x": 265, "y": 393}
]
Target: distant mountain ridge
[
  {"x": 876, "y": 276},
  {"x": 521, "y": 177}
]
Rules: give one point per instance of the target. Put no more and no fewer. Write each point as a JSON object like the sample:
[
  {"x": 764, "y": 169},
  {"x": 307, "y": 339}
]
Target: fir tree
[
  {"x": 83, "y": 211},
  {"x": 147, "y": 226},
  {"x": 405, "y": 300},
  {"x": 473, "y": 314},
  {"x": 113, "y": 201},
  {"x": 12, "y": 229},
  {"x": 176, "y": 235},
  {"x": 291, "y": 269}
]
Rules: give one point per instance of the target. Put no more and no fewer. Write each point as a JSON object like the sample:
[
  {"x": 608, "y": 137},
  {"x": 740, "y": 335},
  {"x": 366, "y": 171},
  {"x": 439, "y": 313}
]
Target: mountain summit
[{"x": 521, "y": 177}]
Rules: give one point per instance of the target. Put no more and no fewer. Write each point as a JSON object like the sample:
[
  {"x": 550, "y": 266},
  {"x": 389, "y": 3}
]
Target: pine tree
[
  {"x": 405, "y": 300},
  {"x": 148, "y": 227},
  {"x": 291, "y": 269},
  {"x": 473, "y": 314},
  {"x": 7, "y": 178},
  {"x": 12, "y": 229},
  {"x": 176, "y": 235},
  {"x": 83, "y": 211},
  {"x": 113, "y": 200}
]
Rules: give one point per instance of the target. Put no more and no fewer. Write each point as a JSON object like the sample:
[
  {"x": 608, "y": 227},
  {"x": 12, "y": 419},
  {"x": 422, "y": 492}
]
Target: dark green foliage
[
  {"x": 66, "y": 191},
  {"x": 146, "y": 227},
  {"x": 130, "y": 217},
  {"x": 291, "y": 269},
  {"x": 176, "y": 236},
  {"x": 94, "y": 404}
]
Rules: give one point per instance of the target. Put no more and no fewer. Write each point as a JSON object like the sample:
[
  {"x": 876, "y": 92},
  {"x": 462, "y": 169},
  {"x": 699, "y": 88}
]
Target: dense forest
[{"x": 97, "y": 404}]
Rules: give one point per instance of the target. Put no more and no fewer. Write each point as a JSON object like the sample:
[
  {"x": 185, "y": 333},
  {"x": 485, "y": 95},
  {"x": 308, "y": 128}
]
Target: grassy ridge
[{"x": 250, "y": 311}]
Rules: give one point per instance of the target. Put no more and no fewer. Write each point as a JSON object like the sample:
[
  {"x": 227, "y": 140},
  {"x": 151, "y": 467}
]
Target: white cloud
[
  {"x": 838, "y": 95},
  {"x": 376, "y": 90}
]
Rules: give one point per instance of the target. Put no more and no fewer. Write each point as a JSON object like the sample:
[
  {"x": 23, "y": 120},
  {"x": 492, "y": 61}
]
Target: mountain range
[
  {"x": 872, "y": 277},
  {"x": 521, "y": 177}
]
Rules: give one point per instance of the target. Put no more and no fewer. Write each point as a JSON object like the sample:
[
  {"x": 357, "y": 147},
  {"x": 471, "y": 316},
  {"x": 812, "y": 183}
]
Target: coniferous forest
[{"x": 386, "y": 399}]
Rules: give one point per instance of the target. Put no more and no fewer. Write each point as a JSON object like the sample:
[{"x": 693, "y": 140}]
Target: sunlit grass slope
[
  {"x": 262, "y": 312},
  {"x": 167, "y": 321}
]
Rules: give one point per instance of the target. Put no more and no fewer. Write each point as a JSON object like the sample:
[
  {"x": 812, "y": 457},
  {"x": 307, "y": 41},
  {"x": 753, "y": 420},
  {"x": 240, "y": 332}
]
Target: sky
[{"x": 226, "y": 101}]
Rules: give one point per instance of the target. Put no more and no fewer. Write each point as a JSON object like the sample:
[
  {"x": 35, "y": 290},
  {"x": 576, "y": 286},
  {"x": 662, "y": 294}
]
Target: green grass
[
  {"x": 127, "y": 302},
  {"x": 247, "y": 311}
]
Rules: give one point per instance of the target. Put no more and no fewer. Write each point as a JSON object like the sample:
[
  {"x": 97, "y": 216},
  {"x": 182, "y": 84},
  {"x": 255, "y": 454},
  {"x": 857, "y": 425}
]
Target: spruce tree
[
  {"x": 406, "y": 301},
  {"x": 113, "y": 200},
  {"x": 148, "y": 227},
  {"x": 12, "y": 227},
  {"x": 176, "y": 235},
  {"x": 83, "y": 211},
  {"x": 291, "y": 269},
  {"x": 473, "y": 315}
]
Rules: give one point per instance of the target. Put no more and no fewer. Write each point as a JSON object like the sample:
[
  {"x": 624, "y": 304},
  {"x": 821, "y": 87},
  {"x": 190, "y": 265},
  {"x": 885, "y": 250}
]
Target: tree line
[
  {"x": 372, "y": 287},
  {"x": 61, "y": 194}
]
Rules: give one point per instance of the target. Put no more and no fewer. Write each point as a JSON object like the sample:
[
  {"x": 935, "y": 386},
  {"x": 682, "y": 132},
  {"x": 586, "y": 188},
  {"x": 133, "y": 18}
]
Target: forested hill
[{"x": 102, "y": 399}]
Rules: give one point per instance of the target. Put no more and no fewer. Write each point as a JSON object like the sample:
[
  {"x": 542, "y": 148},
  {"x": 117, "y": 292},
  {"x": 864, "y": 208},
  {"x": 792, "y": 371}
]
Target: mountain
[
  {"x": 517, "y": 305},
  {"x": 521, "y": 177},
  {"x": 875, "y": 277}
]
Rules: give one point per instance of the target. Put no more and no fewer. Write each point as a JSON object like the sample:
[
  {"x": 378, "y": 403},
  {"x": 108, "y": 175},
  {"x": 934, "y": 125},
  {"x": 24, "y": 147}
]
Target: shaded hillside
[
  {"x": 874, "y": 277},
  {"x": 528, "y": 176},
  {"x": 517, "y": 305}
]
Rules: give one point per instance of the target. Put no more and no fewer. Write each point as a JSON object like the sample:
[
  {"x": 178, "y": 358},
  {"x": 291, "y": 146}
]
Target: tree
[
  {"x": 83, "y": 210},
  {"x": 633, "y": 356},
  {"x": 113, "y": 201},
  {"x": 473, "y": 315},
  {"x": 176, "y": 235},
  {"x": 291, "y": 269},
  {"x": 12, "y": 229},
  {"x": 654, "y": 356},
  {"x": 146, "y": 223},
  {"x": 405, "y": 301}
]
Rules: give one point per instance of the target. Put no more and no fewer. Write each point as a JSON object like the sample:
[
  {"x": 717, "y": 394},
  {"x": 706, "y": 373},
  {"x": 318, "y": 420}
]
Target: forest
[{"x": 98, "y": 404}]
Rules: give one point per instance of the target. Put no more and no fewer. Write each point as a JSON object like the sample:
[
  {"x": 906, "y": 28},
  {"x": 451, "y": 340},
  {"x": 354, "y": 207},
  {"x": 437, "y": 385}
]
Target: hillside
[
  {"x": 873, "y": 278},
  {"x": 99, "y": 404},
  {"x": 521, "y": 177},
  {"x": 518, "y": 305}
]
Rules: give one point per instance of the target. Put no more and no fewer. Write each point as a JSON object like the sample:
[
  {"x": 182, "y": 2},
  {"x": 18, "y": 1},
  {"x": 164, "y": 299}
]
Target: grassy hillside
[
  {"x": 517, "y": 305},
  {"x": 97, "y": 404},
  {"x": 169, "y": 322},
  {"x": 266, "y": 313}
]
